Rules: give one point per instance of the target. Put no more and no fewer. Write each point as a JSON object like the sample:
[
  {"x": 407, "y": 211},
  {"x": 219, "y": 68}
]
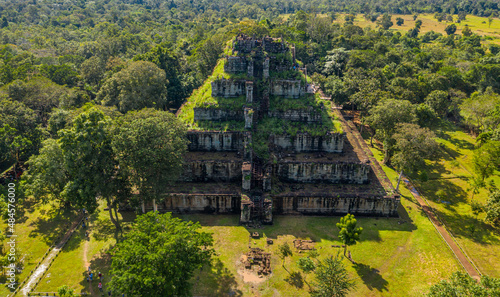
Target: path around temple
[
  {"x": 461, "y": 256},
  {"x": 45, "y": 264}
]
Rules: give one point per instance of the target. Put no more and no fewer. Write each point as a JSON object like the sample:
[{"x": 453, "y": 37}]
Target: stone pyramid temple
[{"x": 264, "y": 141}]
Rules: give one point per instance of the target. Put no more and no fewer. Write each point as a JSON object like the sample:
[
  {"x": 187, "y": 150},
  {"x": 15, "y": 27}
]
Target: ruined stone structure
[{"x": 255, "y": 171}]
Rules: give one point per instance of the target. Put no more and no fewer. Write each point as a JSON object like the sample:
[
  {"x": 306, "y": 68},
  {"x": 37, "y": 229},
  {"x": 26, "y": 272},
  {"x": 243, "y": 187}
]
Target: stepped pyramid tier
[{"x": 263, "y": 142}]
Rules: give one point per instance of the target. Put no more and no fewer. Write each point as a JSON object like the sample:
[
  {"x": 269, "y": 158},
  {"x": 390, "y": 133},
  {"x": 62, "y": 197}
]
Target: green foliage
[
  {"x": 451, "y": 29},
  {"x": 412, "y": 146},
  {"x": 284, "y": 251},
  {"x": 332, "y": 279},
  {"x": 65, "y": 291},
  {"x": 486, "y": 160},
  {"x": 306, "y": 264},
  {"x": 348, "y": 231},
  {"x": 159, "y": 256},
  {"x": 493, "y": 208},
  {"x": 149, "y": 146},
  {"x": 140, "y": 85},
  {"x": 461, "y": 284},
  {"x": 439, "y": 101}
]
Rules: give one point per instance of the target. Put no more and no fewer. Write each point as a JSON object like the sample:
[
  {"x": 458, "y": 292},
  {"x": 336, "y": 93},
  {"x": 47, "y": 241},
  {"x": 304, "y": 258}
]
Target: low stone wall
[
  {"x": 311, "y": 205},
  {"x": 297, "y": 115},
  {"x": 212, "y": 170},
  {"x": 228, "y": 88},
  {"x": 215, "y": 141},
  {"x": 287, "y": 88},
  {"x": 323, "y": 172},
  {"x": 201, "y": 203},
  {"x": 216, "y": 114},
  {"x": 304, "y": 142}
]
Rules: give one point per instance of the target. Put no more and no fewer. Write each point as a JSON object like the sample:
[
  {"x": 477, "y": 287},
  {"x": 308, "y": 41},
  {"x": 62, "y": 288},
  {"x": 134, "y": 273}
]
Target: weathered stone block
[
  {"x": 208, "y": 170},
  {"x": 323, "y": 172},
  {"x": 287, "y": 88},
  {"x": 217, "y": 114},
  {"x": 248, "y": 118},
  {"x": 215, "y": 141},
  {"x": 228, "y": 88},
  {"x": 304, "y": 142},
  {"x": 297, "y": 115},
  {"x": 235, "y": 65},
  {"x": 201, "y": 203}
]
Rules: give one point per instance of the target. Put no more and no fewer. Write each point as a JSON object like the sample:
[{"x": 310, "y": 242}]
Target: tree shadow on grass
[
  {"x": 217, "y": 281},
  {"x": 295, "y": 279},
  {"x": 100, "y": 263},
  {"x": 371, "y": 277},
  {"x": 52, "y": 225}
]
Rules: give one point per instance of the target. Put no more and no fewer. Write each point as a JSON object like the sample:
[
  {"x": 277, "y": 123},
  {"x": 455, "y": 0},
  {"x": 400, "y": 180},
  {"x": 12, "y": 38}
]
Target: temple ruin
[{"x": 262, "y": 143}]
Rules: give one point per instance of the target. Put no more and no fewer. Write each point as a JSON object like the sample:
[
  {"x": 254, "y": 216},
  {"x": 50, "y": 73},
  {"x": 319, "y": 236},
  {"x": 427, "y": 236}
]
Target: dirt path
[
  {"x": 441, "y": 228},
  {"x": 86, "y": 262},
  {"x": 40, "y": 271}
]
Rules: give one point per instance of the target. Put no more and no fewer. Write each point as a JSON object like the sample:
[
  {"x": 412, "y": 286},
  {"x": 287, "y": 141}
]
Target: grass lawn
[
  {"x": 37, "y": 226},
  {"x": 69, "y": 268},
  {"x": 447, "y": 191},
  {"x": 393, "y": 259}
]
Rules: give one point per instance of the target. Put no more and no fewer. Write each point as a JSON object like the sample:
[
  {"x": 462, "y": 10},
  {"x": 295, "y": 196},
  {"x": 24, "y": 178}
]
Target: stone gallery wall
[
  {"x": 235, "y": 65},
  {"x": 212, "y": 171},
  {"x": 217, "y": 114},
  {"x": 316, "y": 205},
  {"x": 204, "y": 203},
  {"x": 304, "y": 142},
  {"x": 288, "y": 88},
  {"x": 228, "y": 88},
  {"x": 215, "y": 141},
  {"x": 297, "y": 115},
  {"x": 323, "y": 172}
]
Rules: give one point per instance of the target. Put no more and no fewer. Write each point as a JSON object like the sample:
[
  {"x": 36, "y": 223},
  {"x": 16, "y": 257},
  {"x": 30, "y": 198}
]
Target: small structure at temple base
[
  {"x": 258, "y": 261},
  {"x": 303, "y": 245}
]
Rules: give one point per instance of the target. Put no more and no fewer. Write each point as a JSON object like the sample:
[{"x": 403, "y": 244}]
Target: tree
[
  {"x": 284, "y": 251},
  {"x": 149, "y": 145},
  {"x": 336, "y": 61},
  {"x": 90, "y": 162},
  {"x": 385, "y": 116},
  {"x": 332, "y": 279},
  {"x": 493, "y": 208},
  {"x": 490, "y": 20},
  {"x": 412, "y": 146},
  {"x": 418, "y": 24},
  {"x": 461, "y": 284},
  {"x": 439, "y": 101},
  {"x": 92, "y": 70},
  {"x": 478, "y": 111},
  {"x": 385, "y": 22},
  {"x": 450, "y": 29},
  {"x": 348, "y": 232},
  {"x": 158, "y": 257},
  {"x": 65, "y": 291},
  {"x": 486, "y": 160},
  {"x": 140, "y": 85},
  {"x": 400, "y": 21},
  {"x": 46, "y": 176},
  {"x": 466, "y": 31},
  {"x": 306, "y": 265}
]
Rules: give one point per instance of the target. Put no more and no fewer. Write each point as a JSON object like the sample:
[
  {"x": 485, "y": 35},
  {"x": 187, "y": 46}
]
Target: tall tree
[
  {"x": 493, "y": 208},
  {"x": 284, "y": 251},
  {"x": 348, "y": 231},
  {"x": 141, "y": 84},
  {"x": 332, "y": 279},
  {"x": 149, "y": 145},
  {"x": 385, "y": 116},
  {"x": 159, "y": 256},
  {"x": 90, "y": 162},
  {"x": 412, "y": 146}
]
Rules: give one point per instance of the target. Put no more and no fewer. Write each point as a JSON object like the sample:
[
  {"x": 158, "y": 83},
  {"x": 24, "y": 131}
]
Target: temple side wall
[
  {"x": 368, "y": 206},
  {"x": 215, "y": 141},
  {"x": 211, "y": 170},
  {"x": 297, "y": 115},
  {"x": 304, "y": 142},
  {"x": 216, "y": 114},
  {"x": 311, "y": 172},
  {"x": 202, "y": 203}
]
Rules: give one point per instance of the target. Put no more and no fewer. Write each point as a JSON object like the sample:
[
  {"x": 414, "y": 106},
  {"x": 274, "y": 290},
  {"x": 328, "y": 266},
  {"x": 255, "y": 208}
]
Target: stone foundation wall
[
  {"x": 369, "y": 206},
  {"x": 331, "y": 172},
  {"x": 212, "y": 170},
  {"x": 304, "y": 142},
  {"x": 228, "y": 88},
  {"x": 287, "y": 88},
  {"x": 215, "y": 141},
  {"x": 216, "y": 114},
  {"x": 235, "y": 65},
  {"x": 204, "y": 203},
  {"x": 297, "y": 115}
]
